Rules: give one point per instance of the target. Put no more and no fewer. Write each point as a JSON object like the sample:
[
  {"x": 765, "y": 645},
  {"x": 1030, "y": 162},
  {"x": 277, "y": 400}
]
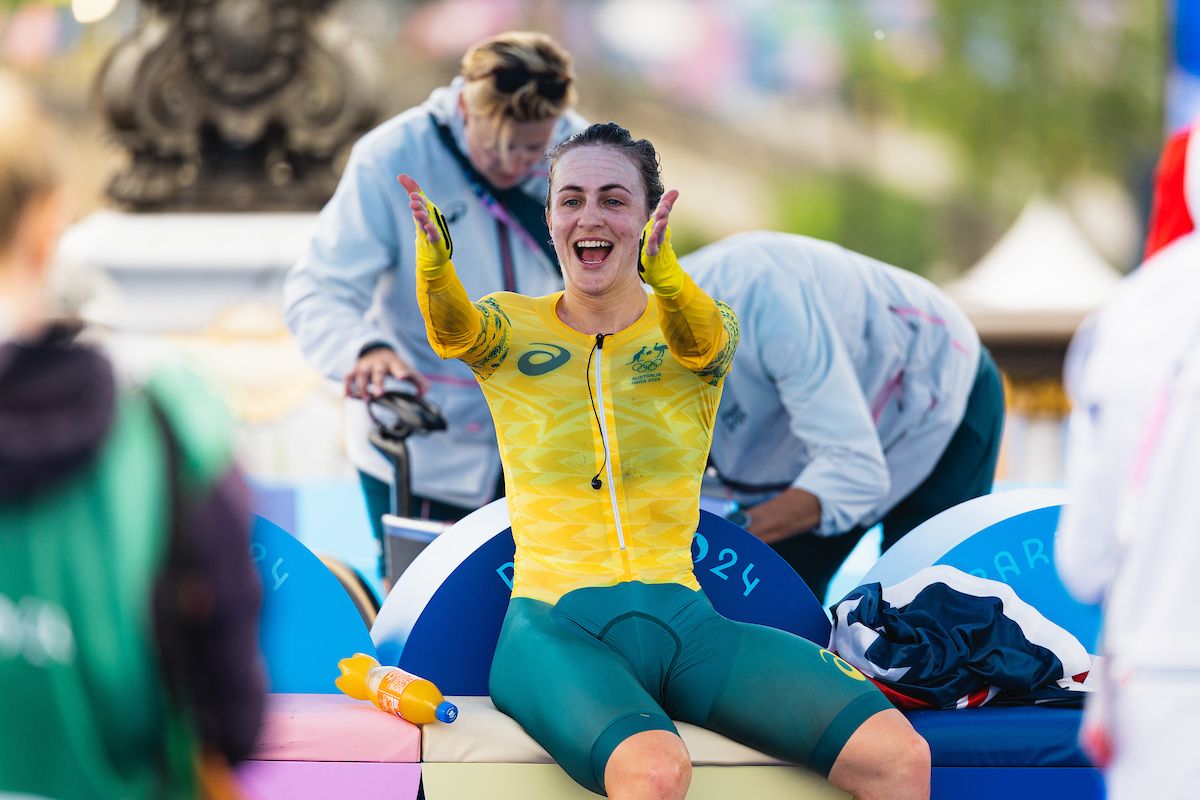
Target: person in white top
[
  {"x": 860, "y": 394},
  {"x": 1128, "y": 537}
]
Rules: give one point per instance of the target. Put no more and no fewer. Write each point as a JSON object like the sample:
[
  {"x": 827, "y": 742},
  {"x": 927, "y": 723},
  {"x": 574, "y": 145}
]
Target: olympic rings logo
[
  {"x": 646, "y": 366},
  {"x": 648, "y": 359}
]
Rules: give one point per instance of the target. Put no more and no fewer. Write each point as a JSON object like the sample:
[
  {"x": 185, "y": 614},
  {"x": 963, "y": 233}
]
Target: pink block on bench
[
  {"x": 333, "y": 727},
  {"x": 303, "y": 780}
]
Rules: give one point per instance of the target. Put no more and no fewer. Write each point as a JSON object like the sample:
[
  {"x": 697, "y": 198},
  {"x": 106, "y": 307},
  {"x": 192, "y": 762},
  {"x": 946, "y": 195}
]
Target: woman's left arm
[{"x": 701, "y": 332}]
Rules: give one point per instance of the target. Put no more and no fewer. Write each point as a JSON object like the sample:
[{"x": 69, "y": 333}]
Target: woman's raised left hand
[
  {"x": 657, "y": 233},
  {"x": 657, "y": 262}
]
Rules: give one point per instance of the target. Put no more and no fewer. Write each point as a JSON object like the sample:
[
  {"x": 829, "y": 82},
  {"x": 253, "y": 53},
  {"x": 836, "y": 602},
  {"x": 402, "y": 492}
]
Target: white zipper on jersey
[{"x": 612, "y": 489}]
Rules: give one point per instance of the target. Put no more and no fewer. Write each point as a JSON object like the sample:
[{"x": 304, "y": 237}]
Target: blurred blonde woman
[
  {"x": 479, "y": 145},
  {"x": 128, "y": 602}
]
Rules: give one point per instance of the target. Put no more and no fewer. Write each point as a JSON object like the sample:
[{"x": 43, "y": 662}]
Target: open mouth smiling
[{"x": 592, "y": 251}]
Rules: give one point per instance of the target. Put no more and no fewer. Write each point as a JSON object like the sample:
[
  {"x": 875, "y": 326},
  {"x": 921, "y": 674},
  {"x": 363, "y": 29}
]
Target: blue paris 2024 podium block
[
  {"x": 442, "y": 619},
  {"x": 1007, "y": 537},
  {"x": 307, "y": 622}
]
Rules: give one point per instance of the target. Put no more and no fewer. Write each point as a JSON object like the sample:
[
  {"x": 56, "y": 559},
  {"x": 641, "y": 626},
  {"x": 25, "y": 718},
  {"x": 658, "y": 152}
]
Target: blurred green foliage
[
  {"x": 1060, "y": 86},
  {"x": 1029, "y": 93},
  {"x": 859, "y": 213},
  {"x": 13, "y": 5},
  {"x": 1016, "y": 97}
]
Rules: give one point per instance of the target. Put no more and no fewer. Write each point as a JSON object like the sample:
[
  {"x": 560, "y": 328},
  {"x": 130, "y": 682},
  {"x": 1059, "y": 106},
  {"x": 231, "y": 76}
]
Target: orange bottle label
[{"x": 390, "y": 688}]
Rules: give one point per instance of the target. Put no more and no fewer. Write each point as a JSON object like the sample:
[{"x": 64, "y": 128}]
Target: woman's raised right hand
[{"x": 434, "y": 245}]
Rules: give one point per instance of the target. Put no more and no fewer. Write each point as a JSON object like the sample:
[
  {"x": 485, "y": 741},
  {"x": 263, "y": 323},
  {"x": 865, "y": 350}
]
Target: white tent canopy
[{"x": 1041, "y": 278}]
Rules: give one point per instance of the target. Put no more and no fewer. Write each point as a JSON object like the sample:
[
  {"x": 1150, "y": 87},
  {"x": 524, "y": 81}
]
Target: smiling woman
[
  {"x": 596, "y": 216},
  {"x": 640, "y": 153},
  {"x": 604, "y": 398},
  {"x": 603, "y": 184}
]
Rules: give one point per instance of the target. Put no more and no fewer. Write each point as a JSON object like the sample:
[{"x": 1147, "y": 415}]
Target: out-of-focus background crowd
[{"x": 915, "y": 131}]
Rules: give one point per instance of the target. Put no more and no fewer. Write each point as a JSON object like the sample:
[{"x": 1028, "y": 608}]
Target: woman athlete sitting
[{"x": 604, "y": 398}]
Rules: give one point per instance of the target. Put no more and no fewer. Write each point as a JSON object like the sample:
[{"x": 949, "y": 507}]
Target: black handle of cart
[{"x": 396, "y": 416}]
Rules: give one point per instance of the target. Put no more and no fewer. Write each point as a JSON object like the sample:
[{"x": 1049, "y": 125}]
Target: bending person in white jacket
[
  {"x": 860, "y": 394},
  {"x": 1128, "y": 537},
  {"x": 479, "y": 146}
]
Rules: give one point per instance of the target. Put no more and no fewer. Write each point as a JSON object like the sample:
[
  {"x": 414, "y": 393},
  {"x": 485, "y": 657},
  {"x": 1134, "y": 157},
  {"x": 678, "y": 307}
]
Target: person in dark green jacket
[{"x": 128, "y": 602}]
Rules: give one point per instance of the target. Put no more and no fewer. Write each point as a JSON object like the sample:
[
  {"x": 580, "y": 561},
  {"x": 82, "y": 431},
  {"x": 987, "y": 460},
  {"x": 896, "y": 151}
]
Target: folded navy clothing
[{"x": 948, "y": 639}]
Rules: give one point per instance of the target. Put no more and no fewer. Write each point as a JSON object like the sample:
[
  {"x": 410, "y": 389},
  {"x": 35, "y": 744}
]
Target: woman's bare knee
[
  {"x": 884, "y": 758},
  {"x": 651, "y": 764},
  {"x": 914, "y": 763}
]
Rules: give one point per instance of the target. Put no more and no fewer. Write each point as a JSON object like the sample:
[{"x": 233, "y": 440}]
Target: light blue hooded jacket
[{"x": 355, "y": 286}]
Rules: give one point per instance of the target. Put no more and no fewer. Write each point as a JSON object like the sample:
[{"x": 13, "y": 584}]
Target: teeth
[{"x": 593, "y": 243}]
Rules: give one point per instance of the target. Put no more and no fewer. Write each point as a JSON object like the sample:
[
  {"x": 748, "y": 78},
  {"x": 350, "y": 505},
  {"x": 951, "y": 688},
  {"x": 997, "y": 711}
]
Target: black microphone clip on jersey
[{"x": 596, "y": 483}]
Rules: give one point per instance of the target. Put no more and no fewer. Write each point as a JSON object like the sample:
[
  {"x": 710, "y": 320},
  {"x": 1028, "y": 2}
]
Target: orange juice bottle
[{"x": 393, "y": 690}]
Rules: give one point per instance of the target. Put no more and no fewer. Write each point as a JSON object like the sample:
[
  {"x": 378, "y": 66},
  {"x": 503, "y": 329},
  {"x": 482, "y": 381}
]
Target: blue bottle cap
[{"x": 446, "y": 711}]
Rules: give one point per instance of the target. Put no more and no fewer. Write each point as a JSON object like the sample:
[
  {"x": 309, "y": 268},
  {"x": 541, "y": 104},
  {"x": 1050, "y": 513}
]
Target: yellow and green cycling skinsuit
[
  {"x": 604, "y": 440},
  {"x": 647, "y": 438}
]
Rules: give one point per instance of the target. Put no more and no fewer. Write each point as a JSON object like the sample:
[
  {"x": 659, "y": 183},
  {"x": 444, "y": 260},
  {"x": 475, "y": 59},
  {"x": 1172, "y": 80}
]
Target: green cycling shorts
[{"x": 604, "y": 663}]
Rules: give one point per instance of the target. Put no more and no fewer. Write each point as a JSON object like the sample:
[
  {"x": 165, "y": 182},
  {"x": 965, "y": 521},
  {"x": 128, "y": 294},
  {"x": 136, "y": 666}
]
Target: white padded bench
[{"x": 485, "y": 754}]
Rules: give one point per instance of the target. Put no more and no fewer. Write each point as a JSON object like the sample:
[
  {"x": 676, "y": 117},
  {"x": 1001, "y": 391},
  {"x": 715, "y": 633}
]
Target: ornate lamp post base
[{"x": 235, "y": 105}]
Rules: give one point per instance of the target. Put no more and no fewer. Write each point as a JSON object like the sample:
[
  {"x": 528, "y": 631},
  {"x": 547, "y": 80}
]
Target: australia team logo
[
  {"x": 647, "y": 363},
  {"x": 538, "y": 362}
]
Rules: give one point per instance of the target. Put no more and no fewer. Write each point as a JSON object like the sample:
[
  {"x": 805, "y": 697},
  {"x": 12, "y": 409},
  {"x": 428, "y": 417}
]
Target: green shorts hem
[
  {"x": 618, "y": 731},
  {"x": 848, "y": 720}
]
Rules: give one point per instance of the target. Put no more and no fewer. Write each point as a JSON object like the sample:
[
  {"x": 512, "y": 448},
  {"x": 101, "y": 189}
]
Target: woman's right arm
[{"x": 476, "y": 333}]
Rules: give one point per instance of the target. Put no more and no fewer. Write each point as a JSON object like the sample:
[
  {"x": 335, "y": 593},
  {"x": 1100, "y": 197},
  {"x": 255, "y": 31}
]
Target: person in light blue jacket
[
  {"x": 860, "y": 394},
  {"x": 351, "y": 300}
]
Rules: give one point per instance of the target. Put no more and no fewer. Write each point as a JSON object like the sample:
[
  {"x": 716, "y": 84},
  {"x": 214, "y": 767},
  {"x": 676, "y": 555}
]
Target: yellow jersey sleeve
[
  {"x": 701, "y": 332},
  {"x": 477, "y": 333}
]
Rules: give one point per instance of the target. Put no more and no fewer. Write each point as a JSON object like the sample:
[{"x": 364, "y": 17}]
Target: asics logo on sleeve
[{"x": 538, "y": 362}]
